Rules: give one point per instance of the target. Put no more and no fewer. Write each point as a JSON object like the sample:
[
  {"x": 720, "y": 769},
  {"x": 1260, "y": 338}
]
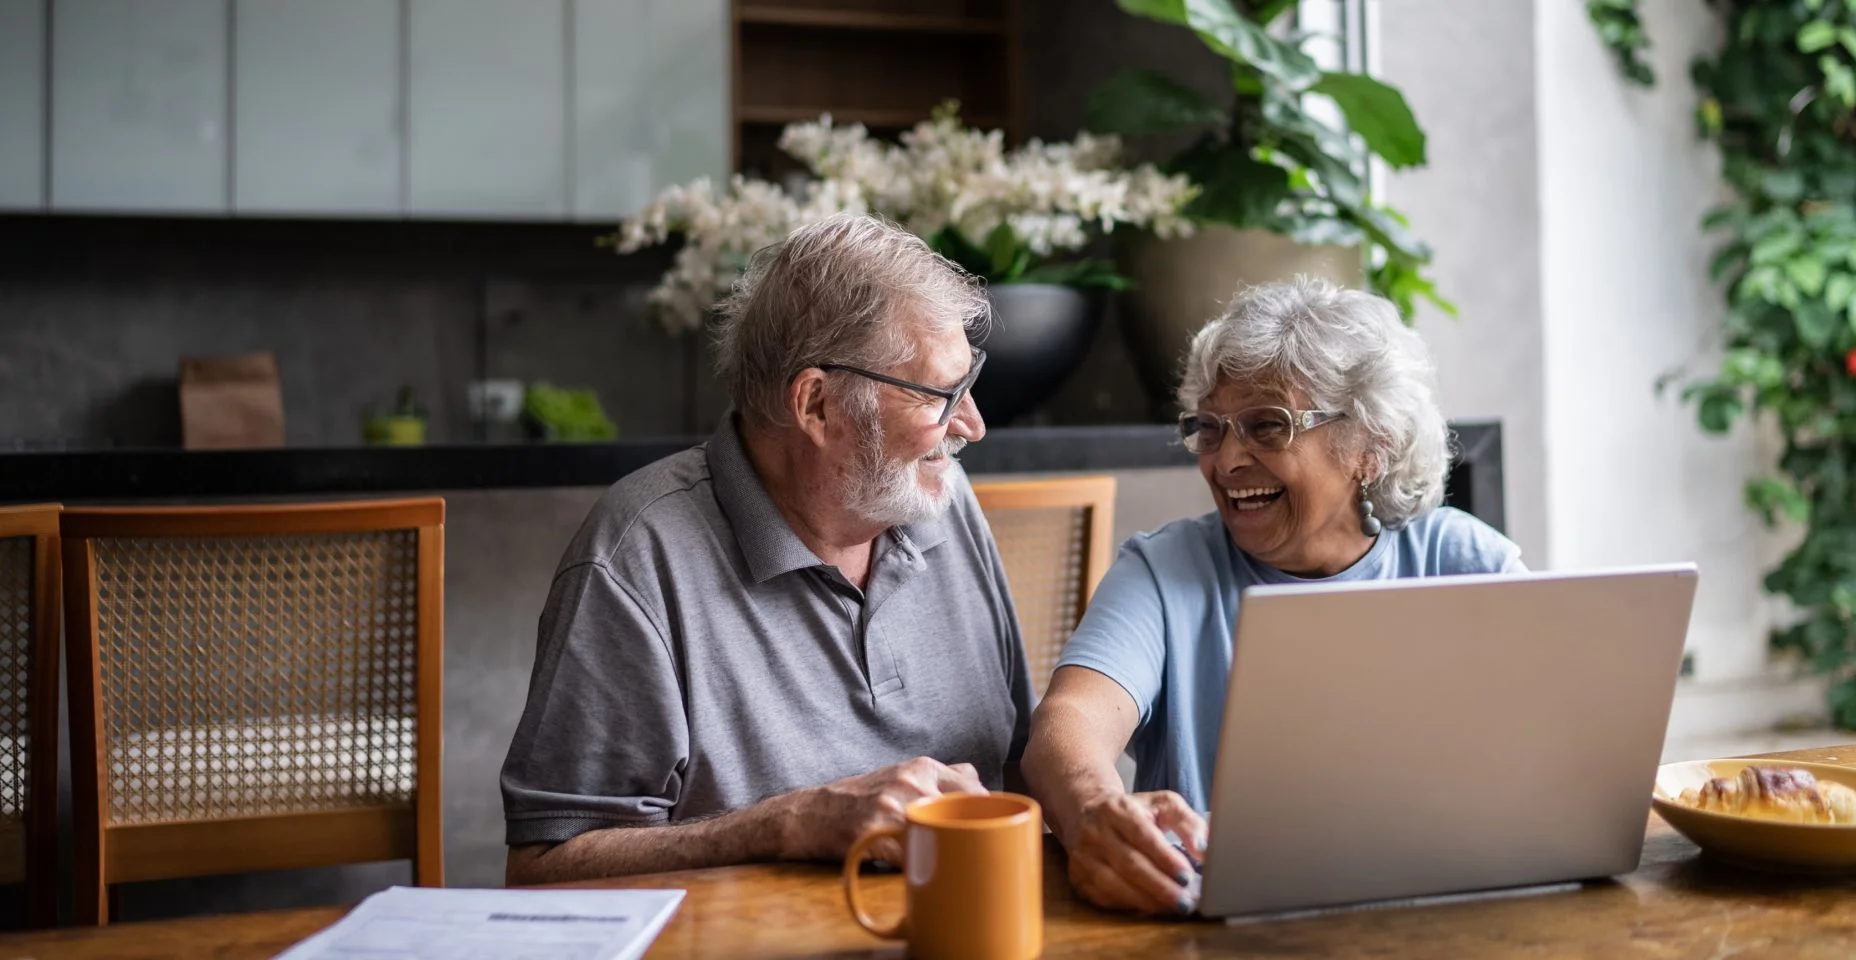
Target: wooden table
[{"x": 1675, "y": 905}]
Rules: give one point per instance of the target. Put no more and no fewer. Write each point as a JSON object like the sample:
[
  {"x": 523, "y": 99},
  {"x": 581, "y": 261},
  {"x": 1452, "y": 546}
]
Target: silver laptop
[{"x": 1396, "y": 739}]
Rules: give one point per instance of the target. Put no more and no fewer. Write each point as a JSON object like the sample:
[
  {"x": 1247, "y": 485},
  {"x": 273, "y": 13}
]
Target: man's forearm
[
  {"x": 1065, "y": 767},
  {"x": 755, "y": 833}
]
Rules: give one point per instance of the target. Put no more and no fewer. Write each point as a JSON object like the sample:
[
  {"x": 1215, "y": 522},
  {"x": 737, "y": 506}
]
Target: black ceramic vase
[{"x": 1040, "y": 332}]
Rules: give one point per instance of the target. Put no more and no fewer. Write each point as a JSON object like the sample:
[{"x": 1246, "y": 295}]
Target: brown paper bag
[{"x": 231, "y": 402}]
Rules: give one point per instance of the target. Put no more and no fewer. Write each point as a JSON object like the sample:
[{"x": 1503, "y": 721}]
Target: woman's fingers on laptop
[
  {"x": 1172, "y": 812},
  {"x": 1145, "y": 836},
  {"x": 1120, "y": 858},
  {"x": 1103, "y": 886}
]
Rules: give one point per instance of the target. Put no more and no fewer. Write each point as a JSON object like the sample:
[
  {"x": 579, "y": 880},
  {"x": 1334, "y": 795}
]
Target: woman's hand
[{"x": 1120, "y": 857}]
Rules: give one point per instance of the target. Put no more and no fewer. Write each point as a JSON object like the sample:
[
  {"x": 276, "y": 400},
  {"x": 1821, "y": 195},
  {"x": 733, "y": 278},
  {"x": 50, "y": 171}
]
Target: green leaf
[
  {"x": 1839, "y": 79},
  {"x": 1234, "y": 188},
  {"x": 1839, "y": 290},
  {"x": 1389, "y": 230},
  {"x": 1776, "y": 247},
  {"x": 1233, "y": 36},
  {"x": 1135, "y": 102},
  {"x": 955, "y": 246},
  {"x": 1847, "y": 37},
  {"x": 1724, "y": 260},
  {"x": 1722, "y": 216},
  {"x": 1746, "y": 366},
  {"x": 1717, "y": 410},
  {"x": 1006, "y": 256},
  {"x": 1777, "y": 496},
  {"x": 1816, "y": 35},
  {"x": 1266, "y": 11},
  {"x": 1379, "y": 114},
  {"x": 1843, "y": 704},
  {"x": 1786, "y": 186},
  {"x": 1815, "y": 324},
  {"x": 1090, "y": 272},
  {"x": 1808, "y": 272}
]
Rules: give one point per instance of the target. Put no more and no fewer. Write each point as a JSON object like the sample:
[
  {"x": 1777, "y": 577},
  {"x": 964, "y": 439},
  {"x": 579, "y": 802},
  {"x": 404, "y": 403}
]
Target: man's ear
[{"x": 805, "y": 401}]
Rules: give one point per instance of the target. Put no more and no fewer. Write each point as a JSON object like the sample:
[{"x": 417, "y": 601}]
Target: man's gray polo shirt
[{"x": 695, "y": 656}]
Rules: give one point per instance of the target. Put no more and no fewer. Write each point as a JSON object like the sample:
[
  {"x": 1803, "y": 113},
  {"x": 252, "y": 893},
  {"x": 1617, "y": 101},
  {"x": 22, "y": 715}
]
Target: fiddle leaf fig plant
[{"x": 1264, "y": 158}]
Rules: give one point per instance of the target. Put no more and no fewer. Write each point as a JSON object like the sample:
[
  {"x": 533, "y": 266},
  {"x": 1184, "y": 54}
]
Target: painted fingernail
[
  {"x": 1182, "y": 878},
  {"x": 1198, "y": 841},
  {"x": 1184, "y": 905}
]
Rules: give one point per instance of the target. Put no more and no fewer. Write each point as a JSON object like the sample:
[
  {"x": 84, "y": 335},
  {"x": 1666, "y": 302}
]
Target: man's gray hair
[
  {"x": 1348, "y": 351},
  {"x": 846, "y": 289}
]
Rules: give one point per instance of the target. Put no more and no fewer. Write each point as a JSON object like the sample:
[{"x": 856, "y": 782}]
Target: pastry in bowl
[{"x": 1787, "y": 794}]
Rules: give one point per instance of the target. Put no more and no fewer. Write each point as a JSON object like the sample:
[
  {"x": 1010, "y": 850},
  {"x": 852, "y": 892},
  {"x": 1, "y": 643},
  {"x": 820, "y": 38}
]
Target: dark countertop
[{"x": 74, "y": 476}]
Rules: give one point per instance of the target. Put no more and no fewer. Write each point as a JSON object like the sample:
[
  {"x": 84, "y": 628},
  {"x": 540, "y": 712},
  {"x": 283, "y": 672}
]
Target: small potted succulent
[{"x": 402, "y": 425}]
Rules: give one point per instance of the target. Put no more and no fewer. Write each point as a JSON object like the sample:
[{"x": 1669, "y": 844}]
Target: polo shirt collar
[{"x": 768, "y": 543}]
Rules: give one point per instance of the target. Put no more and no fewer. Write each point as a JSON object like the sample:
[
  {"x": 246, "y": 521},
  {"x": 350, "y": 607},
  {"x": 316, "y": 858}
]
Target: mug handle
[{"x": 852, "y": 861}]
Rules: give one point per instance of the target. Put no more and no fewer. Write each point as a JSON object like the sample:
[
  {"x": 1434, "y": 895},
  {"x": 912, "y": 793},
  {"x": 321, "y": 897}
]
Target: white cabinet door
[
  {"x": 487, "y": 110},
  {"x": 317, "y": 107},
  {"x": 22, "y": 104},
  {"x": 650, "y": 100},
  {"x": 139, "y": 105}
]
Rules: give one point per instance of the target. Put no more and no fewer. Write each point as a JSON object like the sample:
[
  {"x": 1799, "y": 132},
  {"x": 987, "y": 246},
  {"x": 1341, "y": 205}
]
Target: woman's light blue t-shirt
[{"x": 1161, "y": 623}]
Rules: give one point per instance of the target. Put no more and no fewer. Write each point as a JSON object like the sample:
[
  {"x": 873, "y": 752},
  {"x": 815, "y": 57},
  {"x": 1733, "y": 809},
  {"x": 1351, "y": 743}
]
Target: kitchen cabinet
[
  {"x": 318, "y": 110},
  {"x": 22, "y": 104},
  {"x": 650, "y": 97},
  {"x": 487, "y": 109},
  {"x": 139, "y": 106}
]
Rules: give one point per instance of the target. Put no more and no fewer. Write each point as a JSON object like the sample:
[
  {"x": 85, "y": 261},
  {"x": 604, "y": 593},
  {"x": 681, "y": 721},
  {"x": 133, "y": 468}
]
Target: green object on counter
[
  {"x": 403, "y": 426},
  {"x": 566, "y": 414}
]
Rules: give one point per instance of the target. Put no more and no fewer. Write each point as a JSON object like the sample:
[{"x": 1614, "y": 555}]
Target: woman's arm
[{"x": 1118, "y": 851}]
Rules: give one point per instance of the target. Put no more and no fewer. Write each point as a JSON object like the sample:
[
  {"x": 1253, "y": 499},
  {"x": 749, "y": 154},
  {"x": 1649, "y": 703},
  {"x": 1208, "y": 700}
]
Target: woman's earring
[{"x": 1369, "y": 524}]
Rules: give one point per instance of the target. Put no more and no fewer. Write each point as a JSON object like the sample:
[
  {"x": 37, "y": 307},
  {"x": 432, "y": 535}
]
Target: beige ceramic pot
[{"x": 1184, "y": 282}]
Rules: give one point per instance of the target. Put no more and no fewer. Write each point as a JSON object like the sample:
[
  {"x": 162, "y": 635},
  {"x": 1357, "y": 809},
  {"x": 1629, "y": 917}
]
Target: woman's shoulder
[
  {"x": 1449, "y": 541},
  {"x": 1187, "y": 541}
]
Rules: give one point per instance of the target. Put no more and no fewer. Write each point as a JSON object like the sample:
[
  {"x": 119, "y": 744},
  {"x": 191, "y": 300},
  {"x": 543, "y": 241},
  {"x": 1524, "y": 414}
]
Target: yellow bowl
[{"x": 1749, "y": 841}]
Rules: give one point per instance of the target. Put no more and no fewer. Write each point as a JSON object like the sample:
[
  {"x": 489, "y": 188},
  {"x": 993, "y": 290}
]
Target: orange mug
[{"x": 974, "y": 866}]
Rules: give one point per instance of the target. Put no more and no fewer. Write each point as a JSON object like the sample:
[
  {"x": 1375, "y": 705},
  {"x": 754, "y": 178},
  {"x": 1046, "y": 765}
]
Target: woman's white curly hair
[{"x": 1348, "y": 351}]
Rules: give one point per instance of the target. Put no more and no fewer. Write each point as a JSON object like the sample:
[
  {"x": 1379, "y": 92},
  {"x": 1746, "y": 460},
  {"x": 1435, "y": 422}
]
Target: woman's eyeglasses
[
  {"x": 1265, "y": 429},
  {"x": 950, "y": 396}
]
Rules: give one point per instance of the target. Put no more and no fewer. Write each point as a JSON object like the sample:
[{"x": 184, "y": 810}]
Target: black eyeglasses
[
  {"x": 950, "y": 397},
  {"x": 1269, "y": 429}
]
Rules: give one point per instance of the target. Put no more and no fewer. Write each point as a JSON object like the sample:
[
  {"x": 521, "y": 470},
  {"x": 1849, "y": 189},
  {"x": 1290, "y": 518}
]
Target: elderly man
[{"x": 760, "y": 648}]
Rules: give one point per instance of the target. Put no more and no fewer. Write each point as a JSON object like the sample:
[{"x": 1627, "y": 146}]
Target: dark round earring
[{"x": 1369, "y": 524}]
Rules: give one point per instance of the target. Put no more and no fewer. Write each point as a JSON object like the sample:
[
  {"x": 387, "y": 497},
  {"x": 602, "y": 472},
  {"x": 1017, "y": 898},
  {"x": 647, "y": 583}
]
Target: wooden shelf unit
[{"x": 886, "y": 64}]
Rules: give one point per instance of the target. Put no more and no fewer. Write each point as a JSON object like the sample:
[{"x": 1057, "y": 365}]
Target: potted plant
[
  {"x": 401, "y": 426},
  {"x": 1281, "y": 190},
  {"x": 565, "y": 415},
  {"x": 1022, "y": 219}
]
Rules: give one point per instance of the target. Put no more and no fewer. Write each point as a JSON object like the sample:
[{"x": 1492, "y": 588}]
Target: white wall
[
  {"x": 1624, "y": 182},
  {"x": 1466, "y": 67},
  {"x": 1564, "y": 204}
]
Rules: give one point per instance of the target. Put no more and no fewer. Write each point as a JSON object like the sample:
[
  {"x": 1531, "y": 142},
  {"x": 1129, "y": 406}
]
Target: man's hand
[
  {"x": 1120, "y": 857},
  {"x": 822, "y": 822}
]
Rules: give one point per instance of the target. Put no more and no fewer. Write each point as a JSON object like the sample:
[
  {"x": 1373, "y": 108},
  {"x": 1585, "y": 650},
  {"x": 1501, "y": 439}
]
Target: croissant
[{"x": 1776, "y": 793}]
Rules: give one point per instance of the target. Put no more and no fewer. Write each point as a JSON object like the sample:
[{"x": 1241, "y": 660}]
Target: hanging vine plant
[{"x": 1779, "y": 97}]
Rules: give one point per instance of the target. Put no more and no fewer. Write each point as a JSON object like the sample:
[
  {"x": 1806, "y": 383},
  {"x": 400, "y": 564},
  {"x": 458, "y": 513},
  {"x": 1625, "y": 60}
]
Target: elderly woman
[{"x": 1316, "y": 425}]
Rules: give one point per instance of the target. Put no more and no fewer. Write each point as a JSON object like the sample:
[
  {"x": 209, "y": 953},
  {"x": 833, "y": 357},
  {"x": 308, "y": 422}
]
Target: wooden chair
[
  {"x": 29, "y": 598},
  {"x": 253, "y": 688},
  {"x": 1055, "y": 538}
]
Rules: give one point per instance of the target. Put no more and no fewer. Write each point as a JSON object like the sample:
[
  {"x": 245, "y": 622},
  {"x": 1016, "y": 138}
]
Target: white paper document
[{"x": 416, "y": 923}]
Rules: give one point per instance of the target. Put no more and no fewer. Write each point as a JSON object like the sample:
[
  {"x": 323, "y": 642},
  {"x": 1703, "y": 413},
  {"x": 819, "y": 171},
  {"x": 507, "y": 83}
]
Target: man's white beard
[{"x": 889, "y": 492}]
